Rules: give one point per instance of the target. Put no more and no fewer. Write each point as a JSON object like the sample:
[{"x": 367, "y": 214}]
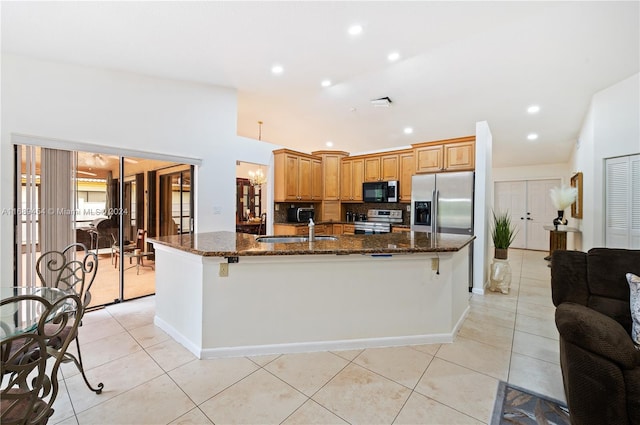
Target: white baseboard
[
  {"x": 338, "y": 345},
  {"x": 173, "y": 333}
]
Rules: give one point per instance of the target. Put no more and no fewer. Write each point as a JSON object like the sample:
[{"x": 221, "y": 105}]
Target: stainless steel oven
[{"x": 378, "y": 221}]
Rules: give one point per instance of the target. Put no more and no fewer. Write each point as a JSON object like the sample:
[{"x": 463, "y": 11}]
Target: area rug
[{"x": 515, "y": 405}]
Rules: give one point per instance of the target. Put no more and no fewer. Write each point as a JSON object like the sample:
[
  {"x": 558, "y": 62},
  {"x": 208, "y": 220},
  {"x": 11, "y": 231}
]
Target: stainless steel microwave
[
  {"x": 380, "y": 191},
  {"x": 300, "y": 215}
]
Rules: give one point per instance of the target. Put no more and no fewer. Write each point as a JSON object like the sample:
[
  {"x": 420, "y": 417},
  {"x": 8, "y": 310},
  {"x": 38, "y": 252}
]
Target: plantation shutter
[{"x": 622, "y": 209}]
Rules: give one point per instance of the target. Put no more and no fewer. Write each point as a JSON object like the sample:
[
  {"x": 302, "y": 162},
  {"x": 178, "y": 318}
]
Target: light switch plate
[{"x": 224, "y": 270}]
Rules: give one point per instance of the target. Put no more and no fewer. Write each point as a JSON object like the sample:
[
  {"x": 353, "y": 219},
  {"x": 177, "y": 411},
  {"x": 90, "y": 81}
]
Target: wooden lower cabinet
[
  {"x": 400, "y": 229},
  {"x": 337, "y": 229},
  {"x": 348, "y": 229},
  {"x": 298, "y": 230}
]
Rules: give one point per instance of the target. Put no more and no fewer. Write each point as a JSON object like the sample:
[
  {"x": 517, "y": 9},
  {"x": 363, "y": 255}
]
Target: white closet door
[
  {"x": 622, "y": 202},
  {"x": 635, "y": 202},
  {"x": 541, "y": 212},
  {"x": 511, "y": 197}
]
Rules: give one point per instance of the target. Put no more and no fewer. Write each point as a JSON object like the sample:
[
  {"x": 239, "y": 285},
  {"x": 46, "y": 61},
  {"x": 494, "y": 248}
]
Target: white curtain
[
  {"x": 27, "y": 208},
  {"x": 57, "y": 169},
  {"x": 45, "y": 206}
]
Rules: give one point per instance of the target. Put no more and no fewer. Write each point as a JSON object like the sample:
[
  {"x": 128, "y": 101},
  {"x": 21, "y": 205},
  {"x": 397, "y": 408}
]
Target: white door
[
  {"x": 511, "y": 197},
  {"x": 531, "y": 209},
  {"x": 540, "y": 213}
]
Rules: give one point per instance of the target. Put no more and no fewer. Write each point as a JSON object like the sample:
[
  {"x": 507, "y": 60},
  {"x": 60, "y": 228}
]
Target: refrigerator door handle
[{"x": 434, "y": 213}]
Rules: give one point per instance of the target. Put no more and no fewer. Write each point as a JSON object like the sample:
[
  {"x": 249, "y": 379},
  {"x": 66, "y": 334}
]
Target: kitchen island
[{"x": 225, "y": 294}]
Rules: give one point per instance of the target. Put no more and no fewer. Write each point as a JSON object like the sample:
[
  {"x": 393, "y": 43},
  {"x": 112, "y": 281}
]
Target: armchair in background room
[
  {"x": 72, "y": 270},
  {"x": 129, "y": 246},
  {"x": 600, "y": 364}
]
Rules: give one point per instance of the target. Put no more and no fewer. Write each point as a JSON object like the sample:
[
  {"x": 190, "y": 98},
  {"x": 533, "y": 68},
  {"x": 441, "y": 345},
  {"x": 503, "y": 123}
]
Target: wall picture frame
[{"x": 576, "y": 207}]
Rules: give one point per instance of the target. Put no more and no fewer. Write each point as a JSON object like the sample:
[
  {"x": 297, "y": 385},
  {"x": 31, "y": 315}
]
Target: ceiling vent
[{"x": 383, "y": 102}]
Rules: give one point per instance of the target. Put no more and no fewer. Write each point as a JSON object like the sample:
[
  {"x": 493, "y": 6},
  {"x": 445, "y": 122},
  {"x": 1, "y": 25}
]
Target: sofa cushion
[
  {"x": 634, "y": 287},
  {"x": 596, "y": 333},
  {"x": 606, "y": 270}
]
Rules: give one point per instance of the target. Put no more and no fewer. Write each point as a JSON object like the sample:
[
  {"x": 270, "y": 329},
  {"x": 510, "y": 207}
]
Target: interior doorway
[
  {"x": 530, "y": 207},
  {"x": 251, "y": 211}
]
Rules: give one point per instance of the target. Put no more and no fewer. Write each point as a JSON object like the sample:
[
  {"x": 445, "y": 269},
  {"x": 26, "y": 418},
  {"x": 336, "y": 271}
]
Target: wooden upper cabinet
[
  {"x": 346, "y": 186},
  {"x": 459, "y": 156},
  {"x": 351, "y": 177},
  {"x": 316, "y": 180},
  {"x": 389, "y": 167},
  {"x": 407, "y": 165},
  {"x": 357, "y": 177},
  {"x": 304, "y": 178},
  {"x": 289, "y": 177},
  {"x": 429, "y": 159},
  {"x": 381, "y": 168},
  {"x": 293, "y": 176},
  {"x": 372, "y": 169},
  {"x": 331, "y": 164},
  {"x": 445, "y": 155}
]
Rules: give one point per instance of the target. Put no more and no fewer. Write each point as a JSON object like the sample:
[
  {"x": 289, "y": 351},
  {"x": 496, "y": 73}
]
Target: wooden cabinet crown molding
[
  {"x": 300, "y": 154},
  {"x": 445, "y": 141}
]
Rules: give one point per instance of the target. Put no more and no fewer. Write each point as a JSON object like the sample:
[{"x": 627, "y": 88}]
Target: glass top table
[{"x": 22, "y": 315}]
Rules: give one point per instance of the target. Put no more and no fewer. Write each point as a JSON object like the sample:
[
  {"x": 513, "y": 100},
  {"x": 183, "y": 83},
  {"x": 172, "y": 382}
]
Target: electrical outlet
[
  {"x": 224, "y": 270},
  {"x": 409, "y": 208},
  {"x": 277, "y": 207}
]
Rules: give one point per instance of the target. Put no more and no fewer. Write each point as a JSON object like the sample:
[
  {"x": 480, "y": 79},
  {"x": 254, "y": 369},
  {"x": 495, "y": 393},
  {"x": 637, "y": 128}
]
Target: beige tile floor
[{"x": 151, "y": 379}]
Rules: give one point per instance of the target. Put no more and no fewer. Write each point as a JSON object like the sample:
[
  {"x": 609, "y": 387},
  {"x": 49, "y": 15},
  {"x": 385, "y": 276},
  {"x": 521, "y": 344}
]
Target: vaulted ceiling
[{"x": 459, "y": 63}]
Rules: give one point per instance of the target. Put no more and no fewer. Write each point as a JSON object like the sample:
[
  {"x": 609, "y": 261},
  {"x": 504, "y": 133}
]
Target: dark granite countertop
[
  {"x": 231, "y": 244},
  {"x": 316, "y": 222}
]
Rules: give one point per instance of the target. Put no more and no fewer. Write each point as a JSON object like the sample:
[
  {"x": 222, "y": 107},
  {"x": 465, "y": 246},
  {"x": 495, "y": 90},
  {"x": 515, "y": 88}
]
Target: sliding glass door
[
  {"x": 175, "y": 201},
  {"x": 109, "y": 203}
]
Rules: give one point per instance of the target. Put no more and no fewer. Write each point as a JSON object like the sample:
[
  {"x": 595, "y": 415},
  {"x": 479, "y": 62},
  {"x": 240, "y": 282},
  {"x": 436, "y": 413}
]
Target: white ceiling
[{"x": 461, "y": 62}]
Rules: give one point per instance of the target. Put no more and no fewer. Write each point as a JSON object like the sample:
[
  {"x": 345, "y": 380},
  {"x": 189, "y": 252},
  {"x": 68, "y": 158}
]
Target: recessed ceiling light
[
  {"x": 408, "y": 130},
  {"x": 329, "y": 143},
  {"x": 532, "y": 136},
  {"x": 277, "y": 69},
  {"x": 325, "y": 83},
  {"x": 355, "y": 29},
  {"x": 533, "y": 109},
  {"x": 394, "y": 56}
]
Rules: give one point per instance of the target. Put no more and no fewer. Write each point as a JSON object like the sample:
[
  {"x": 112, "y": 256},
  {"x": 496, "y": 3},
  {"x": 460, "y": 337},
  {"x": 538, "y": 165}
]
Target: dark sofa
[{"x": 600, "y": 364}]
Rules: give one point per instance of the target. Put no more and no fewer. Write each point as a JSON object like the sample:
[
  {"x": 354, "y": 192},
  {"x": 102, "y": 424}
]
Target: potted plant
[{"x": 503, "y": 234}]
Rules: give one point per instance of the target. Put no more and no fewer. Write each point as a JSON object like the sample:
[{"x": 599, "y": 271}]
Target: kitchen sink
[{"x": 292, "y": 239}]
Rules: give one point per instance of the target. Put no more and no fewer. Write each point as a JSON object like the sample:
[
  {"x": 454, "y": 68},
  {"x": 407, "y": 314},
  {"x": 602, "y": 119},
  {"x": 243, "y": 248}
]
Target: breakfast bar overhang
[{"x": 225, "y": 294}]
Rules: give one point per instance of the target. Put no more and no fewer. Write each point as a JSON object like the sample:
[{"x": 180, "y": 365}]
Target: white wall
[
  {"x": 533, "y": 172},
  {"x": 611, "y": 128},
  {"x": 483, "y": 202},
  {"x": 130, "y": 112}
]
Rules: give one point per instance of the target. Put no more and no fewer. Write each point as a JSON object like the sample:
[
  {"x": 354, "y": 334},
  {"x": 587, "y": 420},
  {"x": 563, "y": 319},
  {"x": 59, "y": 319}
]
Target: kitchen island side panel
[
  {"x": 324, "y": 298},
  {"x": 179, "y": 295}
]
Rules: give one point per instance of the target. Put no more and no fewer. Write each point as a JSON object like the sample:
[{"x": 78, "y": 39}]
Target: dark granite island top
[{"x": 231, "y": 244}]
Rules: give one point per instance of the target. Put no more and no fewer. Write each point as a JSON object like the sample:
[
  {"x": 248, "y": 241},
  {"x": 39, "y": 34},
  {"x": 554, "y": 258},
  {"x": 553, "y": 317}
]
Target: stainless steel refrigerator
[{"x": 443, "y": 203}]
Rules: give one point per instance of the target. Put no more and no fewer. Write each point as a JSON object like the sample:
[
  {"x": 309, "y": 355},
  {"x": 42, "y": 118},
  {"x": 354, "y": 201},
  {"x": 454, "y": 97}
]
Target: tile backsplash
[{"x": 280, "y": 216}]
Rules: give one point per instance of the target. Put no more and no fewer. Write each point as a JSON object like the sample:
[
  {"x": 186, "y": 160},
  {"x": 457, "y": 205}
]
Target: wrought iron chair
[
  {"x": 72, "y": 270},
  {"x": 28, "y": 388}
]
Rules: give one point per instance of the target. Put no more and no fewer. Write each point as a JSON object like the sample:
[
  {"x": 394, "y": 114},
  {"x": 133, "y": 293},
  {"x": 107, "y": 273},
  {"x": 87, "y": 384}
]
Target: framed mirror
[{"x": 576, "y": 207}]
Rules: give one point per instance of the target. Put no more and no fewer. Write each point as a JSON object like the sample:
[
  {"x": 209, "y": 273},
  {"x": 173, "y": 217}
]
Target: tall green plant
[{"x": 503, "y": 233}]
